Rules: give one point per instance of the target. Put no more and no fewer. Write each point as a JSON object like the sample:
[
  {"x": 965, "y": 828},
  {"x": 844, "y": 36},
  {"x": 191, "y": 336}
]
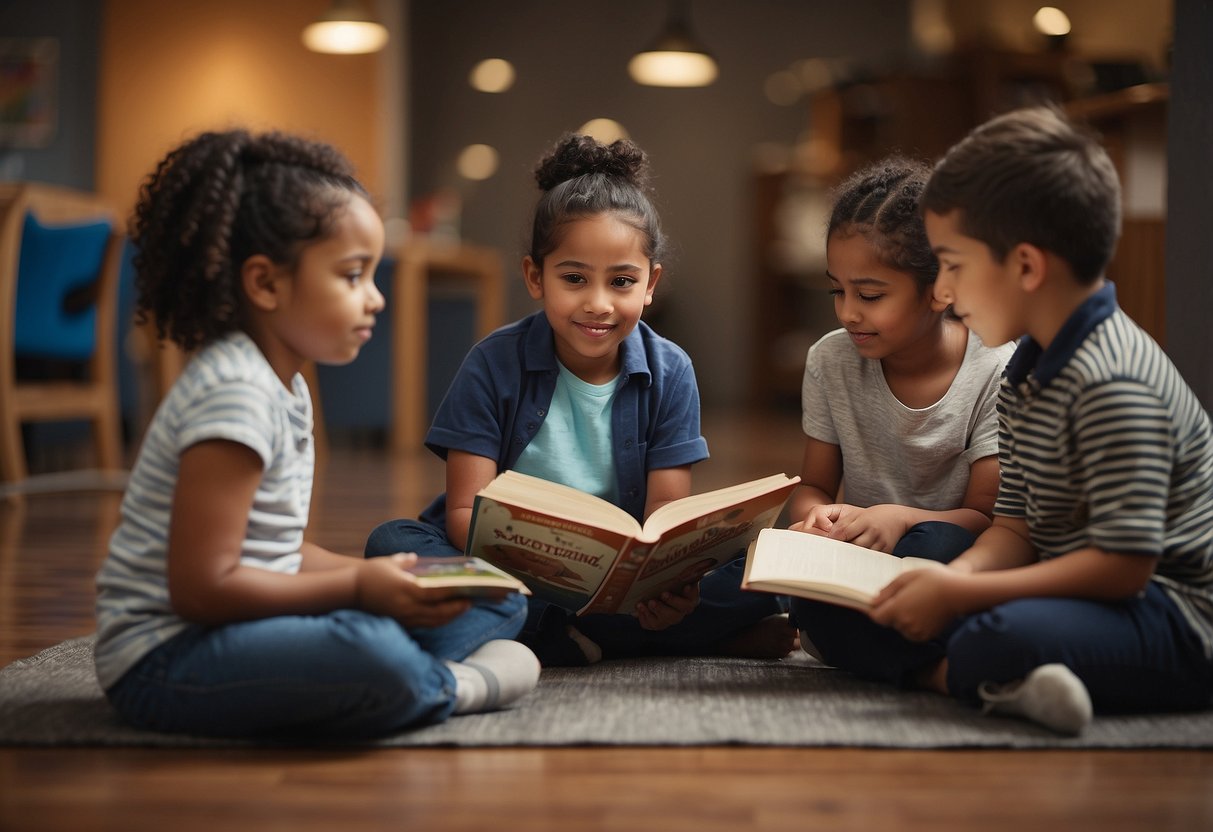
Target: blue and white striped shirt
[
  {"x": 1103, "y": 444},
  {"x": 227, "y": 391}
]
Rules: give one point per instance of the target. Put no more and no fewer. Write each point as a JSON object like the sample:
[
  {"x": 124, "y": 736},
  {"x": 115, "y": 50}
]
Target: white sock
[
  {"x": 593, "y": 653},
  {"x": 495, "y": 674},
  {"x": 1050, "y": 695}
]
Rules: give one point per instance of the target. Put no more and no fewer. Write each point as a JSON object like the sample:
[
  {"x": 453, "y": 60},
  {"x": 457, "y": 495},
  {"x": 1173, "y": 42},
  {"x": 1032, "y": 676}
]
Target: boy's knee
[{"x": 997, "y": 645}]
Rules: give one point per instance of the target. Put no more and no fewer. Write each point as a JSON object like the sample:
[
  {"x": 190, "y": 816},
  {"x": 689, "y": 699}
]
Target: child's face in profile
[
  {"x": 983, "y": 291},
  {"x": 328, "y": 304},
  {"x": 594, "y": 286},
  {"x": 883, "y": 309}
]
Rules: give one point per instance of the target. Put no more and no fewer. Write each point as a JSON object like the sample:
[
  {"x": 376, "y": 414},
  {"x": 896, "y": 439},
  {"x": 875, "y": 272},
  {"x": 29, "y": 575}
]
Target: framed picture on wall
[{"x": 28, "y": 91}]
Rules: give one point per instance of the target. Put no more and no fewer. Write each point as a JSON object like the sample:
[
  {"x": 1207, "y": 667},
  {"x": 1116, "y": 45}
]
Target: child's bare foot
[{"x": 771, "y": 638}]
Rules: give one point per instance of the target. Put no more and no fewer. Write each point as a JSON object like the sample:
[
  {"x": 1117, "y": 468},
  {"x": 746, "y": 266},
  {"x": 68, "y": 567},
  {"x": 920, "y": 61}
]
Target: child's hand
[
  {"x": 669, "y": 609},
  {"x": 384, "y": 586},
  {"x": 920, "y": 603},
  {"x": 877, "y": 527}
]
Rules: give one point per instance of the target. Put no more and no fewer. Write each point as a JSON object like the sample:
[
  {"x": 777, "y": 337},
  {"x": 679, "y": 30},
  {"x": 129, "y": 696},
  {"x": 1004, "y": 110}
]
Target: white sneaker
[
  {"x": 1050, "y": 695},
  {"x": 494, "y": 675}
]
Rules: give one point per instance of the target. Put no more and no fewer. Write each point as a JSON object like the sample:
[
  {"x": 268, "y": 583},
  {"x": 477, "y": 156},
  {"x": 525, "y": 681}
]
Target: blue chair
[{"x": 60, "y": 260}]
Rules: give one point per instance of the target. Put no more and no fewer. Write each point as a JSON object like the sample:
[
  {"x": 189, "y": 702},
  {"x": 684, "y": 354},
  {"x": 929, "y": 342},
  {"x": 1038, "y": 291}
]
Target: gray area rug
[{"x": 53, "y": 699}]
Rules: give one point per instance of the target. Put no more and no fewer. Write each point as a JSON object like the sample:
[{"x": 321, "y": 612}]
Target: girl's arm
[
  {"x": 466, "y": 474},
  {"x": 881, "y": 526},
  {"x": 665, "y": 485},
  {"x": 216, "y": 483},
  {"x": 975, "y": 509},
  {"x": 820, "y": 477}
]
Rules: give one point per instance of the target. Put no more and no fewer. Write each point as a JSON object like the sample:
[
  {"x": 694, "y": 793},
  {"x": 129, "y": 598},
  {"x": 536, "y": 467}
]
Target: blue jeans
[
  {"x": 724, "y": 608},
  {"x": 345, "y": 674},
  {"x": 1132, "y": 655}
]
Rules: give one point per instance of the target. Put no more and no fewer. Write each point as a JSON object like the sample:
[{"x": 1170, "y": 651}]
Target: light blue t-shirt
[{"x": 573, "y": 446}]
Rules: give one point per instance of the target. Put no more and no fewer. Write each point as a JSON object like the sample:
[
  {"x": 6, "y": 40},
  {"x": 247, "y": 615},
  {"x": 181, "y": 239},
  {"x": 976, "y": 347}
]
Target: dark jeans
[{"x": 1132, "y": 655}]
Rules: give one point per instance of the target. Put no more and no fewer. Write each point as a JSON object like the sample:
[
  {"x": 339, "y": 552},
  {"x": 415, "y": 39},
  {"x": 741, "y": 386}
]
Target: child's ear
[
  {"x": 1030, "y": 264},
  {"x": 259, "y": 279},
  {"x": 654, "y": 277},
  {"x": 532, "y": 275}
]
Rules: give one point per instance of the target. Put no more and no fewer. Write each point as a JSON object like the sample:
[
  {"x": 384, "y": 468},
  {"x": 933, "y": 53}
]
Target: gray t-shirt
[{"x": 896, "y": 454}]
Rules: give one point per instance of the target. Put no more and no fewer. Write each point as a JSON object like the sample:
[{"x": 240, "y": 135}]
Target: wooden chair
[{"x": 94, "y": 398}]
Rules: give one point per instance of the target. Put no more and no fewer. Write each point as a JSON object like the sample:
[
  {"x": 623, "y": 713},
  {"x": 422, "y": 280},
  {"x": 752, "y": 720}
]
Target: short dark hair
[{"x": 1031, "y": 176}]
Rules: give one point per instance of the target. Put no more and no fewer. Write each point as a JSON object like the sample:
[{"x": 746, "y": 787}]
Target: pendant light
[
  {"x": 675, "y": 58},
  {"x": 347, "y": 28}
]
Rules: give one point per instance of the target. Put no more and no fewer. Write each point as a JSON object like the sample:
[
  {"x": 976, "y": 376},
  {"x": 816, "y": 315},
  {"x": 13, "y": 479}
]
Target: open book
[
  {"x": 585, "y": 554},
  {"x": 473, "y": 577},
  {"x": 812, "y": 566}
]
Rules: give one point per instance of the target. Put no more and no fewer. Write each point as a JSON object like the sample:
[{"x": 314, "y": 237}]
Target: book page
[
  {"x": 784, "y": 558},
  {"x": 560, "y": 501},
  {"x": 721, "y": 500}
]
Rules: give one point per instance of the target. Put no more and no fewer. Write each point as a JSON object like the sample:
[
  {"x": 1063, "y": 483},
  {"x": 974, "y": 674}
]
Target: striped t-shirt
[
  {"x": 227, "y": 391},
  {"x": 1101, "y": 443}
]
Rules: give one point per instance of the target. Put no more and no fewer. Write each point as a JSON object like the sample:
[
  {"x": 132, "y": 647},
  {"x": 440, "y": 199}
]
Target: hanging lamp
[
  {"x": 676, "y": 58},
  {"x": 347, "y": 28}
]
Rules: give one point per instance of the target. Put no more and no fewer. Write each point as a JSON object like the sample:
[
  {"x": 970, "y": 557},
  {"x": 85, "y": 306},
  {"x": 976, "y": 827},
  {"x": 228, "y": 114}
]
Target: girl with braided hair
[
  {"x": 586, "y": 394},
  {"x": 215, "y": 617},
  {"x": 898, "y": 409}
]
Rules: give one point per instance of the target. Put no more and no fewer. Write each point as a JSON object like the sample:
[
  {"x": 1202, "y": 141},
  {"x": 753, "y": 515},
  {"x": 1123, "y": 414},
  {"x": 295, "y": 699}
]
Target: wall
[
  {"x": 1189, "y": 194},
  {"x": 170, "y": 70},
  {"x": 68, "y": 158},
  {"x": 571, "y": 61},
  {"x": 1102, "y": 29}
]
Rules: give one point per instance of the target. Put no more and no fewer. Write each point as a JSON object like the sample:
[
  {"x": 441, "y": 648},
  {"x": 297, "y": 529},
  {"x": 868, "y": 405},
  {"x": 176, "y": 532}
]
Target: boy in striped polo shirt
[{"x": 1093, "y": 588}]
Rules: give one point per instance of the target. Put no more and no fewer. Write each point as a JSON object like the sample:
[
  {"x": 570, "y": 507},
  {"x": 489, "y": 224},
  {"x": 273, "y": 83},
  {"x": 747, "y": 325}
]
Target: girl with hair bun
[
  {"x": 584, "y": 393},
  {"x": 258, "y": 253}
]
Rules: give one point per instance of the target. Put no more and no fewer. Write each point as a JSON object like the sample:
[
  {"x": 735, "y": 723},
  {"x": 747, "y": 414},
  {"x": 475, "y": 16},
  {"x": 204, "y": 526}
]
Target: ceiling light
[
  {"x": 605, "y": 130},
  {"x": 347, "y": 28},
  {"x": 477, "y": 162},
  {"x": 675, "y": 58},
  {"x": 1051, "y": 21},
  {"x": 492, "y": 75}
]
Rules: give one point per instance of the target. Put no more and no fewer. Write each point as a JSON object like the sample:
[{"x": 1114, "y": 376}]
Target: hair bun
[{"x": 576, "y": 155}]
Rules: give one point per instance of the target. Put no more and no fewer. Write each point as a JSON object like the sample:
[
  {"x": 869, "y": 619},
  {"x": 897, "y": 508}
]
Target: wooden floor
[{"x": 51, "y": 547}]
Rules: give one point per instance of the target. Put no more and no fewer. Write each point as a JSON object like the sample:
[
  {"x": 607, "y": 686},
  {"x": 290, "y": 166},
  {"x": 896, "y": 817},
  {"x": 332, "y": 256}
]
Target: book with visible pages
[
  {"x": 585, "y": 554},
  {"x": 812, "y": 566},
  {"x": 473, "y": 577}
]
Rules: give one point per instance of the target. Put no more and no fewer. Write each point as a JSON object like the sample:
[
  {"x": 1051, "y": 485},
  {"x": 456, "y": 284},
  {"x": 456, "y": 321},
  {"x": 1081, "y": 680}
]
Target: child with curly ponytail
[
  {"x": 586, "y": 394},
  {"x": 257, "y": 253}
]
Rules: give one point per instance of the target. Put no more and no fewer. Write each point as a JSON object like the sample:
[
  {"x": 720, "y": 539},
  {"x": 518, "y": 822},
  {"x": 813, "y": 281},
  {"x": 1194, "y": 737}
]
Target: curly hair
[
  {"x": 1032, "y": 176},
  {"x": 881, "y": 203},
  {"x": 217, "y": 200},
  {"x": 581, "y": 177}
]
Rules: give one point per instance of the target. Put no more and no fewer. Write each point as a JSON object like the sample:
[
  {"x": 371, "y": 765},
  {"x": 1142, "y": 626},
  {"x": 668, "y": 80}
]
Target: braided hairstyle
[
  {"x": 217, "y": 200},
  {"x": 881, "y": 203},
  {"x": 581, "y": 177}
]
